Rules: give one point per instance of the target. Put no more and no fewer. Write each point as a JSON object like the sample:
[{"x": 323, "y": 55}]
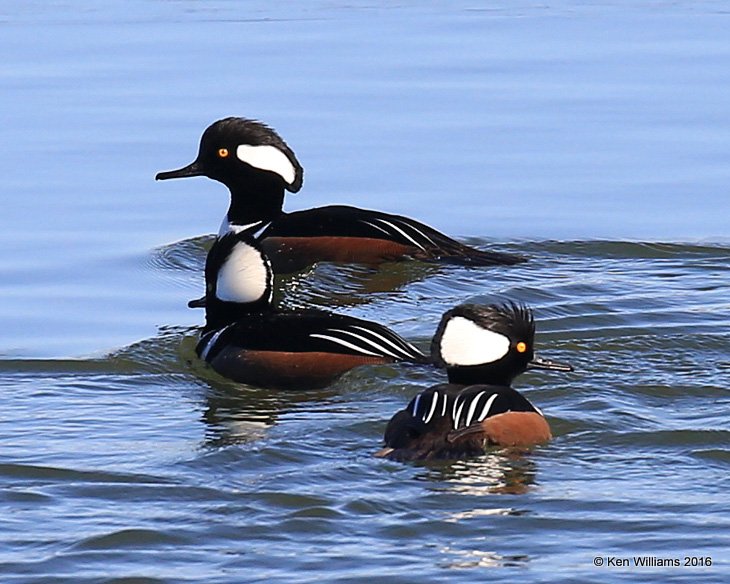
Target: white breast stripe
[
  {"x": 344, "y": 344},
  {"x": 415, "y": 405},
  {"x": 443, "y": 408},
  {"x": 453, "y": 409},
  {"x": 211, "y": 342},
  {"x": 421, "y": 233},
  {"x": 238, "y": 228},
  {"x": 366, "y": 341},
  {"x": 227, "y": 226},
  {"x": 434, "y": 401},
  {"x": 403, "y": 233},
  {"x": 473, "y": 407},
  {"x": 267, "y": 157},
  {"x": 414, "y": 352},
  {"x": 458, "y": 415},
  {"x": 253, "y": 229},
  {"x": 487, "y": 406},
  {"x": 538, "y": 410}
]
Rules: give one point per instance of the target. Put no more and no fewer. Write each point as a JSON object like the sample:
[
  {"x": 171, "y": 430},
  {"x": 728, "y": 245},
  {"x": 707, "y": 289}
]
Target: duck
[
  {"x": 249, "y": 341},
  {"x": 258, "y": 167},
  {"x": 483, "y": 349}
]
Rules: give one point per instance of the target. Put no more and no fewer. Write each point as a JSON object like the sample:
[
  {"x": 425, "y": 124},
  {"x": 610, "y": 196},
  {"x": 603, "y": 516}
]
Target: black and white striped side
[
  {"x": 401, "y": 229},
  {"x": 369, "y": 339},
  {"x": 309, "y": 331},
  {"x": 208, "y": 342},
  {"x": 468, "y": 406},
  {"x": 432, "y": 244}
]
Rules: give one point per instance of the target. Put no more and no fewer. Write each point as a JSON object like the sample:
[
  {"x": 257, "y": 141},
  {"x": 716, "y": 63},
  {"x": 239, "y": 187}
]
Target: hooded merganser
[
  {"x": 247, "y": 340},
  {"x": 257, "y": 166},
  {"x": 482, "y": 348}
]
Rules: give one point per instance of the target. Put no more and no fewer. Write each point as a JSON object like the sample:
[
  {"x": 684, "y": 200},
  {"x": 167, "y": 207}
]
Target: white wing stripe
[
  {"x": 368, "y": 342},
  {"x": 421, "y": 233},
  {"x": 487, "y": 407},
  {"x": 473, "y": 407},
  {"x": 403, "y": 233},
  {"x": 376, "y": 226},
  {"x": 434, "y": 401},
  {"x": 403, "y": 223},
  {"x": 344, "y": 344},
  {"x": 443, "y": 408},
  {"x": 414, "y": 352},
  {"x": 380, "y": 337}
]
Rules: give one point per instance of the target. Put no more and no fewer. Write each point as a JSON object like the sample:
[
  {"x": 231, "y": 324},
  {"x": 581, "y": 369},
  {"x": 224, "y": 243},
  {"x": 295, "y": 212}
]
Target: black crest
[{"x": 233, "y": 131}]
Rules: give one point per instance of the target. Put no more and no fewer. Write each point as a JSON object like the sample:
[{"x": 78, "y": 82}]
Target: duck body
[
  {"x": 344, "y": 234},
  {"x": 483, "y": 349},
  {"x": 257, "y": 166},
  {"x": 305, "y": 348},
  {"x": 245, "y": 339},
  {"x": 453, "y": 421}
]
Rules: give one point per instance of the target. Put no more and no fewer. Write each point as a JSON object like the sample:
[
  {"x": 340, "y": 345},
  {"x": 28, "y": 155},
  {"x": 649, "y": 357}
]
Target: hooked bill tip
[
  {"x": 191, "y": 169},
  {"x": 549, "y": 364}
]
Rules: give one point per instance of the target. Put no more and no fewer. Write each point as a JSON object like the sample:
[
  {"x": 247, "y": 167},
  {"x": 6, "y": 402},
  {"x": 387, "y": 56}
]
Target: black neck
[
  {"x": 481, "y": 374},
  {"x": 219, "y": 314},
  {"x": 258, "y": 198}
]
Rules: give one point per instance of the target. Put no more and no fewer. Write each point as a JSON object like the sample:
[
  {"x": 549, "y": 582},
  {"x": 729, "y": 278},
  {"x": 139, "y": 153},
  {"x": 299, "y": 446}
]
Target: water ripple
[{"x": 170, "y": 454}]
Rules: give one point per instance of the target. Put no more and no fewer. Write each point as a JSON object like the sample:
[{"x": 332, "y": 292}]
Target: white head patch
[
  {"x": 244, "y": 276},
  {"x": 268, "y": 158},
  {"x": 466, "y": 343}
]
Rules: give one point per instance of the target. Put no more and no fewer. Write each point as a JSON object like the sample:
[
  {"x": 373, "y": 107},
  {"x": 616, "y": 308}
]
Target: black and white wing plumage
[
  {"x": 311, "y": 331},
  {"x": 451, "y": 421},
  {"x": 466, "y": 406},
  {"x": 345, "y": 221},
  {"x": 366, "y": 338}
]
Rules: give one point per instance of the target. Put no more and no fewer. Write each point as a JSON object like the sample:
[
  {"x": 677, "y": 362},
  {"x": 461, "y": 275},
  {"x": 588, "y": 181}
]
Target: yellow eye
[
  {"x": 521, "y": 347},
  {"x": 223, "y": 152}
]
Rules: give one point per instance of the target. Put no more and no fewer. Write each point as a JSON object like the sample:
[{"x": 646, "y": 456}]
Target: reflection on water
[
  {"x": 328, "y": 285},
  {"x": 187, "y": 255},
  {"x": 478, "y": 482},
  {"x": 264, "y": 462},
  {"x": 171, "y": 351},
  {"x": 238, "y": 418},
  {"x": 237, "y": 414},
  {"x": 506, "y": 471},
  {"x": 473, "y": 558},
  {"x": 324, "y": 285}
]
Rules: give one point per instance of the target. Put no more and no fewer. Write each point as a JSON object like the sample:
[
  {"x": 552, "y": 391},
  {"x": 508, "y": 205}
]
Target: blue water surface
[{"x": 592, "y": 136}]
